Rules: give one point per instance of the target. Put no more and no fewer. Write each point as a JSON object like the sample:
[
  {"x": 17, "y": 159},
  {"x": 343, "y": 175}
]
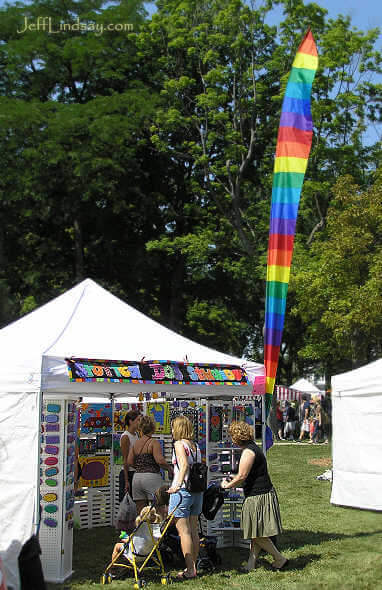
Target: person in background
[
  {"x": 290, "y": 422},
  {"x": 185, "y": 453},
  {"x": 326, "y": 410},
  {"x": 280, "y": 422},
  {"x": 317, "y": 420},
  {"x": 260, "y": 515},
  {"x": 128, "y": 438},
  {"x": 304, "y": 418},
  {"x": 147, "y": 459}
]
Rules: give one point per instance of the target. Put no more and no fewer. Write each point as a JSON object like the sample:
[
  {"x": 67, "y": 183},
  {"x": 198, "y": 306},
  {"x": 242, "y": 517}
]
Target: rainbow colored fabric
[{"x": 292, "y": 152}]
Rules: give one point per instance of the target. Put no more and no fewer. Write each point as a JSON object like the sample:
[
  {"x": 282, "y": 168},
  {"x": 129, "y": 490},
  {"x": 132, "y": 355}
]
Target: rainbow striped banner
[{"x": 292, "y": 152}]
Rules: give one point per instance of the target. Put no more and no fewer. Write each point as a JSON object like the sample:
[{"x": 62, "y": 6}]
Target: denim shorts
[{"x": 190, "y": 503}]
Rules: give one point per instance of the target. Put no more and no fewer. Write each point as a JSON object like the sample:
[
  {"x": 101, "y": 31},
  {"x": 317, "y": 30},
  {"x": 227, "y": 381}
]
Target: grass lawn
[{"x": 328, "y": 546}]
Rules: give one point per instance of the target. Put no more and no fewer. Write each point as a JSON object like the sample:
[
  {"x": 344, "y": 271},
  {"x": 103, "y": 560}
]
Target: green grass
[{"x": 328, "y": 547}]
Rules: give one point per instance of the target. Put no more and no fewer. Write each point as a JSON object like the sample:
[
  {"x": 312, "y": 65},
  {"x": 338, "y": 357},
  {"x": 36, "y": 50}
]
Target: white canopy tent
[
  {"x": 85, "y": 322},
  {"x": 357, "y": 443},
  {"x": 305, "y": 386}
]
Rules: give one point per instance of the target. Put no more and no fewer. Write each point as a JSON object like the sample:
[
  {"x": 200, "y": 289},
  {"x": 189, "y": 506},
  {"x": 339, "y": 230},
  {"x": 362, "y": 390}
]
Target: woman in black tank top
[
  {"x": 147, "y": 459},
  {"x": 260, "y": 515}
]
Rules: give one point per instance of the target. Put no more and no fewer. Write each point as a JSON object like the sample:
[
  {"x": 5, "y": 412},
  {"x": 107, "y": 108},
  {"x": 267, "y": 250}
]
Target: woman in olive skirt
[{"x": 260, "y": 516}]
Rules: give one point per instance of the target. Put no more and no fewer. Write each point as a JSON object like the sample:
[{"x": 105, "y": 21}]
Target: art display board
[{"x": 57, "y": 462}]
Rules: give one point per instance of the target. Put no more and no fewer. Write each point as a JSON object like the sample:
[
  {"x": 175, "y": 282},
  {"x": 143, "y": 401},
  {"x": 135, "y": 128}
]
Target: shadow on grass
[{"x": 292, "y": 539}]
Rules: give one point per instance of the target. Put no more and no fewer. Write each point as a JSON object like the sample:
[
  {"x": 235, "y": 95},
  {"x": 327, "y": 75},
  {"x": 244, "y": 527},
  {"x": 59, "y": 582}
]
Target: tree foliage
[{"x": 144, "y": 159}]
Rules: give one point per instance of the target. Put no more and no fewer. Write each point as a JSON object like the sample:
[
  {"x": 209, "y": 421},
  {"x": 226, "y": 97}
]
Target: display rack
[{"x": 57, "y": 487}]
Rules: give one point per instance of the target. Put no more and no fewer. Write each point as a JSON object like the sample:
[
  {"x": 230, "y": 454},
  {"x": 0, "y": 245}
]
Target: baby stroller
[
  {"x": 136, "y": 561},
  {"x": 213, "y": 500}
]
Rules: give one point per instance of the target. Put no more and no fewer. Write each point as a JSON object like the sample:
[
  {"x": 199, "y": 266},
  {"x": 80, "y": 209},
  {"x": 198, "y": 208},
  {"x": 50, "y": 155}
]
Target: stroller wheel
[
  {"x": 165, "y": 580},
  {"x": 106, "y": 579},
  {"x": 139, "y": 584}
]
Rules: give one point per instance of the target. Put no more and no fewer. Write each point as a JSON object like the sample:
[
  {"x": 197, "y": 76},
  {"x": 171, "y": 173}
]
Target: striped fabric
[
  {"x": 292, "y": 153},
  {"x": 286, "y": 394}
]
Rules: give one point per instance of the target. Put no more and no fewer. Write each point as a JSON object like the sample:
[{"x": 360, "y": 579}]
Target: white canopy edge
[{"x": 366, "y": 380}]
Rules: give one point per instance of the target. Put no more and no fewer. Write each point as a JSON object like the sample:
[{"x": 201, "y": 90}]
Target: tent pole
[
  {"x": 263, "y": 425},
  {"x": 36, "y": 522},
  {"x": 112, "y": 474}
]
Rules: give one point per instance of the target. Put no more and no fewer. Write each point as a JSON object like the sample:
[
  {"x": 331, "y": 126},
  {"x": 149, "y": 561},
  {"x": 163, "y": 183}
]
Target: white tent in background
[
  {"x": 305, "y": 386},
  {"x": 357, "y": 441},
  {"x": 85, "y": 322}
]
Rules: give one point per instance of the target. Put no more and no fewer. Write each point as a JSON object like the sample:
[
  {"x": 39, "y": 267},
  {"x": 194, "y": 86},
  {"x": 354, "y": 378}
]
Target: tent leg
[
  {"x": 263, "y": 425},
  {"x": 112, "y": 474}
]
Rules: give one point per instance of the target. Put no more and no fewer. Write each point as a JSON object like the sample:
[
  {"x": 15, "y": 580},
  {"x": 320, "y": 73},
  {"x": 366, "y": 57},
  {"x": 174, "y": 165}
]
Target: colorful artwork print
[
  {"x": 120, "y": 411},
  {"x": 95, "y": 471},
  {"x": 51, "y": 508},
  {"x": 51, "y": 450},
  {"x": 56, "y": 408},
  {"x": 51, "y": 482},
  {"x": 96, "y": 418},
  {"x": 216, "y": 424},
  {"x": 118, "y": 458},
  {"x": 49, "y": 497},
  {"x": 50, "y": 522},
  {"x": 103, "y": 442},
  {"x": 160, "y": 412},
  {"x": 51, "y": 418},
  {"x": 51, "y": 461},
  {"x": 52, "y": 439},
  {"x": 87, "y": 446},
  {"x": 161, "y": 372}
]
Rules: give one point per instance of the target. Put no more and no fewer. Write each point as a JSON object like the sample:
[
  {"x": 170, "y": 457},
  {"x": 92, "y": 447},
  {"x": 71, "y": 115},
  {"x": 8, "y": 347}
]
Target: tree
[
  {"x": 144, "y": 159},
  {"x": 338, "y": 288}
]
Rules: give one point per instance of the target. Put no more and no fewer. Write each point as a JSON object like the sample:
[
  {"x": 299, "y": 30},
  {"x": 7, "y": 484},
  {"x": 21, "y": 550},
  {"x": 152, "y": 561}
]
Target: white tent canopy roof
[
  {"x": 366, "y": 380},
  {"x": 89, "y": 322},
  {"x": 304, "y": 386}
]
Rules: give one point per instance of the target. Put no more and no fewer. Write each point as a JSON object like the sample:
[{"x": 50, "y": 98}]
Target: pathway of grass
[{"x": 328, "y": 547}]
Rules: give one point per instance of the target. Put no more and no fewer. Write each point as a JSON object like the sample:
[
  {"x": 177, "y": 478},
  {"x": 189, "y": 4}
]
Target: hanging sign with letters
[{"x": 158, "y": 372}]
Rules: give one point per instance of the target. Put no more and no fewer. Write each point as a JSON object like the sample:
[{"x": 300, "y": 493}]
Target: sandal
[
  {"x": 184, "y": 576},
  {"x": 284, "y": 565}
]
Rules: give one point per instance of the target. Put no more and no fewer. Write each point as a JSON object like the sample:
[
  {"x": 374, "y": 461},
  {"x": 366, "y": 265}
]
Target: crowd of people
[
  {"x": 310, "y": 419},
  {"x": 143, "y": 460}
]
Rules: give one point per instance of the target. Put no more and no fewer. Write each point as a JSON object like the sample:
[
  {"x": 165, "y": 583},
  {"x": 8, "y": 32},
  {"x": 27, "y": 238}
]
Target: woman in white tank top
[
  {"x": 128, "y": 438},
  {"x": 186, "y": 505}
]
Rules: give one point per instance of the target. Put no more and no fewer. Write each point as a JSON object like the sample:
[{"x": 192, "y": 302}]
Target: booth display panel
[
  {"x": 57, "y": 456},
  {"x": 98, "y": 506}
]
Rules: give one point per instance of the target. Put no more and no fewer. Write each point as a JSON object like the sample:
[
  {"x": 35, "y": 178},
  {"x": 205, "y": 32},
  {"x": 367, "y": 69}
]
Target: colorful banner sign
[
  {"x": 292, "y": 153},
  {"x": 154, "y": 372}
]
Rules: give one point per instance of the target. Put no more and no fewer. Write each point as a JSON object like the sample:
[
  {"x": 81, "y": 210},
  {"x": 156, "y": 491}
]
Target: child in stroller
[
  {"x": 142, "y": 542},
  {"x": 143, "y": 547}
]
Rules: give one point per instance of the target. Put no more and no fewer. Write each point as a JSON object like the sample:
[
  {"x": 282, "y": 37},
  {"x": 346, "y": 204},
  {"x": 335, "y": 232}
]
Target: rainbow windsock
[{"x": 292, "y": 152}]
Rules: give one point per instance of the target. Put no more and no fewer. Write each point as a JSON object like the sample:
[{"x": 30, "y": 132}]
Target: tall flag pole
[{"x": 292, "y": 152}]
